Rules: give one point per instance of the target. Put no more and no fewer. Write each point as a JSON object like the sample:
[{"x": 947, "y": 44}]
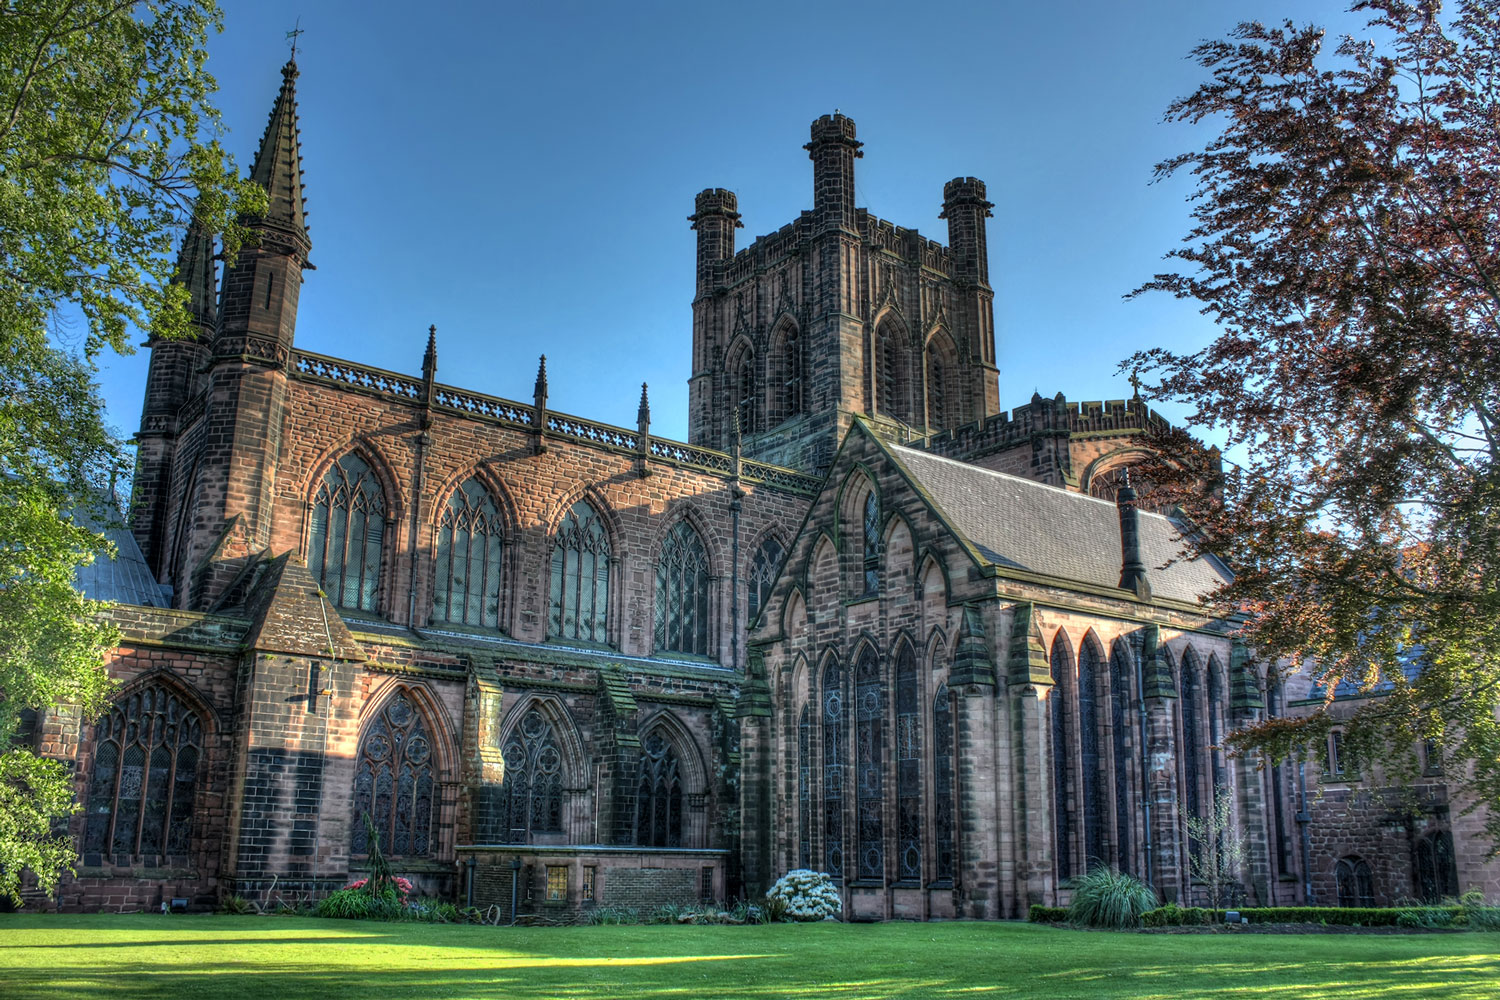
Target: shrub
[
  {"x": 1109, "y": 898},
  {"x": 808, "y": 895},
  {"x": 1039, "y": 914},
  {"x": 774, "y": 911},
  {"x": 602, "y": 915},
  {"x": 237, "y": 905},
  {"x": 345, "y": 904}
]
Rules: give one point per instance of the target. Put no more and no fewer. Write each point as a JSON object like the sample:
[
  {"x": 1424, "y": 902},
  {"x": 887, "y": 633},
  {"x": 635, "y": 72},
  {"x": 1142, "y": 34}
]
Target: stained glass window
[
  {"x": 394, "y": 782},
  {"x": 466, "y": 588},
  {"x": 869, "y": 741},
  {"x": 763, "y": 574},
  {"x": 804, "y": 788},
  {"x": 682, "y": 588},
  {"x": 533, "y": 779},
  {"x": 658, "y": 806},
  {"x": 908, "y": 767},
  {"x": 580, "y": 577},
  {"x": 942, "y": 785},
  {"x": 1119, "y": 692},
  {"x": 1061, "y": 785},
  {"x": 1093, "y": 792},
  {"x": 348, "y": 524},
  {"x": 872, "y": 543},
  {"x": 147, "y": 751},
  {"x": 835, "y": 762},
  {"x": 1215, "y": 723}
]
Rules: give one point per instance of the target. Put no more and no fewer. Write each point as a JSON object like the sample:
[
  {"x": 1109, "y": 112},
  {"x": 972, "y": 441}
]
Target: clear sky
[{"x": 519, "y": 174}]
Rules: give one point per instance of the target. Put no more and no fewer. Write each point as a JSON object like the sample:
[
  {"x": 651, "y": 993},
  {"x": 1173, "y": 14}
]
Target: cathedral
[{"x": 862, "y": 621}]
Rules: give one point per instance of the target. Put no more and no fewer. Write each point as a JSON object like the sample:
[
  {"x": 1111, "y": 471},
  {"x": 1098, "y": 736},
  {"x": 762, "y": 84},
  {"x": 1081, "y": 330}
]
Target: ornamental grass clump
[
  {"x": 806, "y": 895},
  {"x": 1110, "y": 899}
]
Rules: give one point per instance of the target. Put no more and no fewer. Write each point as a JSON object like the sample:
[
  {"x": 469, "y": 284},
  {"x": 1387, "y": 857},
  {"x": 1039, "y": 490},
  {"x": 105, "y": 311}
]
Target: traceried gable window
[
  {"x": 145, "y": 773},
  {"x": 682, "y": 588},
  {"x": 348, "y": 526},
  {"x": 394, "y": 782},
  {"x": 763, "y": 574},
  {"x": 533, "y": 780},
  {"x": 580, "y": 577},
  {"x": 658, "y": 816},
  {"x": 466, "y": 590}
]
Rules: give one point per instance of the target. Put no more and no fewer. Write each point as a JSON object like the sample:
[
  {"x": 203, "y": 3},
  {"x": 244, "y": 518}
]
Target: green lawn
[{"x": 278, "y": 958}]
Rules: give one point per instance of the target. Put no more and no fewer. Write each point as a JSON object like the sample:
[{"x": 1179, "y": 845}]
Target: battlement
[{"x": 1042, "y": 416}]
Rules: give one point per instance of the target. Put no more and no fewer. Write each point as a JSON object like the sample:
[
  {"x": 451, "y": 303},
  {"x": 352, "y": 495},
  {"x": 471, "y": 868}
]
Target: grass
[{"x": 128, "y": 957}]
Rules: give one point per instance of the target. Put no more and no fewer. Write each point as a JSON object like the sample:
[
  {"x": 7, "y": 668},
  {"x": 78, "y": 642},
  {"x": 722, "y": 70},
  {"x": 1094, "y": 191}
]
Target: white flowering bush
[{"x": 806, "y": 895}]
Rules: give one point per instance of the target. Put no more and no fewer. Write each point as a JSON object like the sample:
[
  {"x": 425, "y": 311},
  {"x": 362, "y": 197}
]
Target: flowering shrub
[
  {"x": 807, "y": 895},
  {"x": 403, "y": 886}
]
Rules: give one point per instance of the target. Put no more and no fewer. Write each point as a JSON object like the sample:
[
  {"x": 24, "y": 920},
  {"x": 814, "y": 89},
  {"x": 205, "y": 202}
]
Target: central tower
[{"x": 836, "y": 314}]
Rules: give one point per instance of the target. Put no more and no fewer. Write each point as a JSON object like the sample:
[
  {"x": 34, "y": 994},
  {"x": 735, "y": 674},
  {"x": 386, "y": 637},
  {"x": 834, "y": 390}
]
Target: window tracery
[
  {"x": 533, "y": 779},
  {"x": 658, "y": 817},
  {"x": 871, "y": 550},
  {"x": 908, "y": 767},
  {"x": 945, "y": 867},
  {"x": 763, "y": 574},
  {"x": 870, "y": 765},
  {"x": 835, "y": 762},
  {"x": 1354, "y": 881},
  {"x": 394, "y": 782},
  {"x": 348, "y": 528},
  {"x": 579, "y": 597},
  {"x": 1061, "y": 785},
  {"x": 466, "y": 586},
  {"x": 682, "y": 589},
  {"x": 1437, "y": 871}
]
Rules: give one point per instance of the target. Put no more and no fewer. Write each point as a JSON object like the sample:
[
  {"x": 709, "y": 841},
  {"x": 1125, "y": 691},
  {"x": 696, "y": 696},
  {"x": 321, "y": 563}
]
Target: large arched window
[
  {"x": 946, "y": 866},
  {"x": 835, "y": 762},
  {"x": 743, "y": 391},
  {"x": 682, "y": 593},
  {"x": 908, "y": 767},
  {"x": 1093, "y": 792},
  {"x": 763, "y": 569},
  {"x": 1437, "y": 872},
  {"x": 658, "y": 804},
  {"x": 533, "y": 780},
  {"x": 1061, "y": 785},
  {"x": 580, "y": 577},
  {"x": 893, "y": 370},
  {"x": 147, "y": 751},
  {"x": 394, "y": 782},
  {"x": 1193, "y": 740},
  {"x": 466, "y": 587},
  {"x": 348, "y": 525},
  {"x": 1354, "y": 882},
  {"x": 942, "y": 390},
  {"x": 1119, "y": 703},
  {"x": 1215, "y": 723},
  {"x": 869, "y": 761},
  {"x": 786, "y": 375},
  {"x": 804, "y": 788}
]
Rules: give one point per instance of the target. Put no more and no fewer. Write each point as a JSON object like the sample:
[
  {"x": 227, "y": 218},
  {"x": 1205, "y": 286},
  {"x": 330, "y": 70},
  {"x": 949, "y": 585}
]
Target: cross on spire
[{"x": 293, "y": 35}]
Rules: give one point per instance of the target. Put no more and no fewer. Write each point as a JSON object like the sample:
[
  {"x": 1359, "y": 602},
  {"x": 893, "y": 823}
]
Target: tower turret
[
  {"x": 715, "y": 218},
  {"x": 965, "y": 208},
  {"x": 833, "y": 150}
]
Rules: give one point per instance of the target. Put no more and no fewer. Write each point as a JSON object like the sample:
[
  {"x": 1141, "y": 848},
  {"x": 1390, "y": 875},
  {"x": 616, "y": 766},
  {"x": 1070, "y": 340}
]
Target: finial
[
  {"x": 643, "y": 412},
  {"x": 292, "y": 37},
  {"x": 734, "y": 429},
  {"x": 1135, "y": 384},
  {"x": 541, "y": 379},
  {"x": 429, "y": 360}
]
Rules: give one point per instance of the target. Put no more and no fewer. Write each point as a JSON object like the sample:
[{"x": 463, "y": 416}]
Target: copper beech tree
[{"x": 1346, "y": 240}]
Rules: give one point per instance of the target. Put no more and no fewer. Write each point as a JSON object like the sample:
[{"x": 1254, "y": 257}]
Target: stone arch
[
  {"x": 898, "y": 552},
  {"x": 742, "y": 385},
  {"x": 552, "y": 709},
  {"x": 794, "y": 617},
  {"x": 337, "y": 508},
  {"x": 445, "y": 743},
  {"x": 372, "y": 454},
  {"x": 764, "y": 561},
  {"x": 786, "y": 389},
  {"x": 544, "y": 797},
  {"x": 1062, "y": 723},
  {"x": 689, "y": 752},
  {"x": 860, "y": 524},
  {"x": 399, "y": 772},
  {"x": 582, "y": 560},
  {"x": 823, "y": 582},
  {"x": 892, "y": 382},
  {"x": 1093, "y": 786},
  {"x": 940, "y": 381},
  {"x": 443, "y": 541},
  {"x": 180, "y": 686},
  {"x": 1101, "y": 477},
  {"x": 934, "y": 590}
]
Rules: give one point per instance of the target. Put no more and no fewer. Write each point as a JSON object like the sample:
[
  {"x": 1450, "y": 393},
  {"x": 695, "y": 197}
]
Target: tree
[
  {"x": 1346, "y": 240},
  {"x": 1217, "y": 850},
  {"x": 107, "y": 149}
]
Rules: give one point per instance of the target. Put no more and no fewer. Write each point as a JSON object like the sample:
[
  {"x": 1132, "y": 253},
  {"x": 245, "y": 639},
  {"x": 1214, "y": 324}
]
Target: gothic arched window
[
  {"x": 658, "y": 803},
  {"x": 1354, "y": 881},
  {"x": 145, "y": 774},
  {"x": 869, "y": 762},
  {"x": 942, "y": 392},
  {"x": 394, "y": 782},
  {"x": 1437, "y": 872},
  {"x": 580, "y": 577},
  {"x": 348, "y": 525},
  {"x": 942, "y": 786},
  {"x": 1119, "y": 698},
  {"x": 1061, "y": 785},
  {"x": 466, "y": 587},
  {"x": 533, "y": 779},
  {"x": 1093, "y": 791},
  {"x": 871, "y": 550},
  {"x": 892, "y": 384},
  {"x": 743, "y": 392},
  {"x": 1275, "y": 696},
  {"x": 1193, "y": 740},
  {"x": 804, "y": 788},
  {"x": 763, "y": 574},
  {"x": 786, "y": 377},
  {"x": 682, "y": 593},
  {"x": 835, "y": 762},
  {"x": 908, "y": 767},
  {"x": 1215, "y": 723}
]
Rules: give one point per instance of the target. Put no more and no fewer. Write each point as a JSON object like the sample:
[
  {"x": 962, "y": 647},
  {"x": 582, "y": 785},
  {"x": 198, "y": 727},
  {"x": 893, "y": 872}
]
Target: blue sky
[{"x": 520, "y": 174}]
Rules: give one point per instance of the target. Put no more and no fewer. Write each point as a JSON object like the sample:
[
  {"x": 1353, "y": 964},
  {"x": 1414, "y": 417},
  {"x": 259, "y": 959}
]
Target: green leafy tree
[
  {"x": 1346, "y": 240},
  {"x": 1217, "y": 850},
  {"x": 108, "y": 147}
]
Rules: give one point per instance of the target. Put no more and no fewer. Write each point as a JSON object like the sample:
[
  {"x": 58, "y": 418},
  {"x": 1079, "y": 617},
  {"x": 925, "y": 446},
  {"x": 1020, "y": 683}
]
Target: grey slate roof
[
  {"x": 1022, "y": 524},
  {"x": 125, "y": 579}
]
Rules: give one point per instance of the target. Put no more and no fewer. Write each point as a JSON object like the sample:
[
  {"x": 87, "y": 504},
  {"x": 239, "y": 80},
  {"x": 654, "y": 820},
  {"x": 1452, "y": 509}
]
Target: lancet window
[
  {"x": 1119, "y": 691},
  {"x": 580, "y": 577},
  {"x": 682, "y": 589},
  {"x": 870, "y": 765},
  {"x": 394, "y": 782},
  {"x": 945, "y": 859},
  {"x": 763, "y": 574},
  {"x": 835, "y": 763},
  {"x": 908, "y": 767},
  {"x": 1092, "y": 793},
  {"x": 1061, "y": 754},
  {"x": 1354, "y": 881},
  {"x": 348, "y": 526},
  {"x": 658, "y": 804},
  {"x": 804, "y": 788},
  {"x": 533, "y": 779},
  {"x": 466, "y": 588},
  {"x": 147, "y": 752},
  {"x": 871, "y": 549}
]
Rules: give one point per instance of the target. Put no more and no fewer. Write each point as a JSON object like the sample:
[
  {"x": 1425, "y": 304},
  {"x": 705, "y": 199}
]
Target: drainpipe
[{"x": 469, "y": 881}]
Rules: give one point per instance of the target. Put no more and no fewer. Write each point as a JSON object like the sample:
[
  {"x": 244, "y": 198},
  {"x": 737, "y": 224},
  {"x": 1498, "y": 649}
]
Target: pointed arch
[
  {"x": 579, "y": 591},
  {"x": 1218, "y": 706},
  {"x": 794, "y": 618},
  {"x": 945, "y": 855},
  {"x": 670, "y": 770},
  {"x": 743, "y": 385},
  {"x": 396, "y": 778},
  {"x": 543, "y": 758},
  {"x": 469, "y": 563},
  {"x": 1061, "y": 720},
  {"x": 683, "y": 588},
  {"x": 1092, "y": 787},
  {"x": 143, "y": 784},
  {"x": 760, "y": 577},
  {"x": 346, "y": 533},
  {"x": 785, "y": 391},
  {"x": 1121, "y": 675},
  {"x": 898, "y": 546},
  {"x": 834, "y": 710},
  {"x": 940, "y": 364},
  {"x": 869, "y": 762},
  {"x": 908, "y": 753},
  {"x": 1194, "y": 741},
  {"x": 823, "y": 572},
  {"x": 893, "y": 366}
]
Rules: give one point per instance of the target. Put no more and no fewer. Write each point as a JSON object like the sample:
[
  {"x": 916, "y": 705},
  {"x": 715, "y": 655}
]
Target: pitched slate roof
[
  {"x": 1022, "y": 524},
  {"x": 125, "y": 579}
]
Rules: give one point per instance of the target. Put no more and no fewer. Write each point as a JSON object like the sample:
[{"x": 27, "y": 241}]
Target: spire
[
  {"x": 540, "y": 389},
  {"x": 429, "y": 359},
  {"x": 643, "y": 412},
  {"x": 278, "y": 164},
  {"x": 195, "y": 272}
]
